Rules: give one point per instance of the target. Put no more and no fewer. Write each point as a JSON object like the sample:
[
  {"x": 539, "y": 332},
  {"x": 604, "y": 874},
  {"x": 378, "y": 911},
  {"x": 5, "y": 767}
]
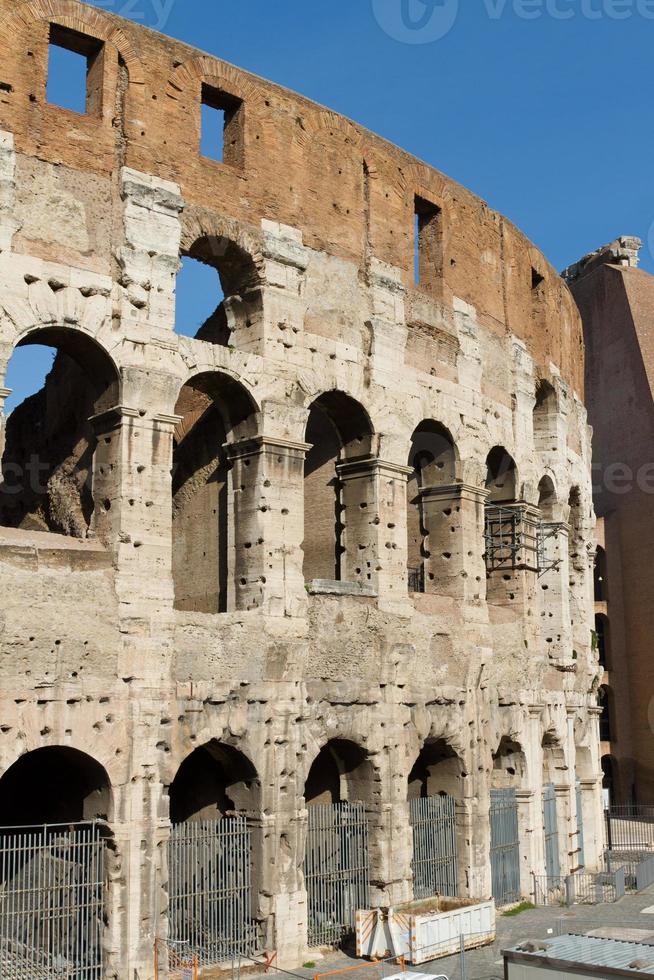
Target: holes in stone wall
[{"x": 75, "y": 70}]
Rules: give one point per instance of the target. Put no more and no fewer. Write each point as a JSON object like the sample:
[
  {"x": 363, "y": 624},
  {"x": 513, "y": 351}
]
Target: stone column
[
  {"x": 267, "y": 525},
  {"x": 516, "y": 587},
  {"x": 534, "y": 753},
  {"x": 454, "y": 518},
  {"x": 133, "y": 517},
  {"x": 374, "y": 527},
  {"x": 574, "y": 848},
  {"x": 529, "y": 835},
  {"x": 595, "y": 842},
  {"x": 555, "y": 592}
]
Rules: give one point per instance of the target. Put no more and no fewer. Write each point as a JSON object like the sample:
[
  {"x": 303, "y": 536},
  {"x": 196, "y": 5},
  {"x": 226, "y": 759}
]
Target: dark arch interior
[
  {"x": 546, "y": 498},
  {"x": 338, "y": 429},
  {"x": 212, "y": 782},
  {"x": 54, "y": 785},
  {"x": 213, "y": 408},
  {"x": 603, "y": 637},
  {"x": 50, "y": 443},
  {"x": 341, "y": 771},
  {"x": 433, "y": 455},
  {"x": 437, "y": 771},
  {"x": 509, "y": 764},
  {"x": 500, "y": 477},
  {"x": 600, "y": 578}
]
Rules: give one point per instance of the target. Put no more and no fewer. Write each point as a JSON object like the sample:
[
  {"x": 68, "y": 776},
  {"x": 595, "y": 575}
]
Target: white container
[{"x": 423, "y": 937}]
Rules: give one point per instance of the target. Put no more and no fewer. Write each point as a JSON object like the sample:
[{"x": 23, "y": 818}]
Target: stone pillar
[
  {"x": 555, "y": 593},
  {"x": 267, "y": 525},
  {"x": 565, "y": 827},
  {"x": 534, "y": 753},
  {"x": 595, "y": 842},
  {"x": 529, "y": 835},
  {"x": 374, "y": 527},
  {"x": 133, "y": 517},
  {"x": 454, "y": 519},
  {"x": 8, "y": 222},
  {"x": 574, "y": 843}
]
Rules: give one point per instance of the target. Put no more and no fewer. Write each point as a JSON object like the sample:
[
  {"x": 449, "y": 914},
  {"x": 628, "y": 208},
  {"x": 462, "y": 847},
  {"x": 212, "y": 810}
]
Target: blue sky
[{"x": 542, "y": 107}]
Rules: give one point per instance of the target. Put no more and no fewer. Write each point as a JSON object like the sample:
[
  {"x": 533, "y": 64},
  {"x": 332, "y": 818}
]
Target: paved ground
[{"x": 487, "y": 964}]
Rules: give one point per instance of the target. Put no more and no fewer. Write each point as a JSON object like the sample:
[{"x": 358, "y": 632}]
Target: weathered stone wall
[{"x": 114, "y": 644}]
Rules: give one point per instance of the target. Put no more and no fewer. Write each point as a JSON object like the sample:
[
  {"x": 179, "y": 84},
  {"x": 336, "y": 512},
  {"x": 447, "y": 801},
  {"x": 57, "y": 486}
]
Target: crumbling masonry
[{"x": 337, "y": 549}]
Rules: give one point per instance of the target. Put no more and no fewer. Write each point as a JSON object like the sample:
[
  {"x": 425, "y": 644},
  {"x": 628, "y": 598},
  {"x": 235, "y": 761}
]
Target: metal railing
[
  {"x": 433, "y": 820},
  {"x": 505, "y": 846},
  {"x": 51, "y": 902},
  {"x": 210, "y": 911},
  {"x": 645, "y": 874},
  {"x": 416, "y": 577},
  {"x": 630, "y": 828},
  {"x": 581, "y": 888},
  {"x": 516, "y": 538},
  {"x": 335, "y": 870}
]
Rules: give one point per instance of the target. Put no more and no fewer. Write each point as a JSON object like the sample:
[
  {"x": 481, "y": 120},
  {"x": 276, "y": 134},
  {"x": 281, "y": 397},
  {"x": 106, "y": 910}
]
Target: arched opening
[
  {"x": 545, "y": 417},
  {"x": 215, "y": 781},
  {"x": 547, "y": 499},
  {"x": 433, "y": 508},
  {"x": 509, "y": 765},
  {"x": 600, "y": 579},
  {"x": 51, "y": 478},
  {"x": 435, "y": 791},
  {"x": 54, "y": 855},
  {"x": 215, "y": 854},
  {"x": 339, "y": 792},
  {"x": 54, "y": 785},
  {"x": 605, "y": 701},
  {"x": 337, "y": 491},
  {"x": 501, "y": 477},
  {"x": 218, "y": 296},
  {"x": 215, "y": 410},
  {"x": 610, "y": 781},
  {"x": 603, "y": 641}
]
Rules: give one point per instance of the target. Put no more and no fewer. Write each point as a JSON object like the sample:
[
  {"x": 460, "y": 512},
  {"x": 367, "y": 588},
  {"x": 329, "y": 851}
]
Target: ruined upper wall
[{"x": 350, "y": 193}]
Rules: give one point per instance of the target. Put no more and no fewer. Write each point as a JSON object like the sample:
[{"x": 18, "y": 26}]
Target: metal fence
[
  {"x": 51, "y": 902},
  {"x": 630, "y": 828},
  {"x": 416, "y": 576},
  {"x": 210, "y": 912},
  {"x": 336, "y": 870},
  {"x": 580, "y": 888},
  {"x": 505, "y": 846},
  {"x": 645, "y": 874},
  {"x": 551, "y": 833},
  {"x": 433, "y": 820}
]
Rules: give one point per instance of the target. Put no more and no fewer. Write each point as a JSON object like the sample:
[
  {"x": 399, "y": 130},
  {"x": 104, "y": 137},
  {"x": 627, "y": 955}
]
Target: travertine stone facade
[{"x": 145, "y": 614}]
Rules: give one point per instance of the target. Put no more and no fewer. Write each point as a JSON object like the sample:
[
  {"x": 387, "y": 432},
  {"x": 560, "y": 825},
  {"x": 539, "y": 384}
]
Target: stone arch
[
  {"x": 214, "y": 410},
  {"x": 600, "y": 576},
  {"x": 55, "y": 784},
  {"x": 433, "y": 509},
  {"x": 340, "y": 433},
  {"x": 603, "y": 641},
  {"x": 509, "y": 765},
  {"x": 213, "y": 781},
  {"x": 342, "y": 771},
  {"x": 501, "y": 476},
  {"x": 547, "y": 498},
  {"x": 545, "y": 413},
  {"x": 54, "y": 476},
  {"x": 236, "y": 255}
]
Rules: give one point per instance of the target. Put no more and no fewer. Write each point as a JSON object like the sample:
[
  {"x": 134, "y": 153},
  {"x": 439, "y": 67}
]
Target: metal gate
[
  {"x": 433, "y": 819},
  {"x": 505, "y": 846},
  {"x": 551, "y": 833},
  {"x": 210, "y": 911},
  {"x": 336, "y": 870},
  {"x": 51, "y": 902}
]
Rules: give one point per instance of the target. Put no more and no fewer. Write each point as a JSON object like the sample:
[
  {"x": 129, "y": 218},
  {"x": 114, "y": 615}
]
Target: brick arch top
[{"x": 84, "y": 20}]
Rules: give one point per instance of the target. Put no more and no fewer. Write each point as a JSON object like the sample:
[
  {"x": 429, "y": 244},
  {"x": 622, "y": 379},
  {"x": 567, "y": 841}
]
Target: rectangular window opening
[
  {"x": 221, "y": 136},
  {"x": 428, "y": 243},
  {"x": 75, "y": 71}
]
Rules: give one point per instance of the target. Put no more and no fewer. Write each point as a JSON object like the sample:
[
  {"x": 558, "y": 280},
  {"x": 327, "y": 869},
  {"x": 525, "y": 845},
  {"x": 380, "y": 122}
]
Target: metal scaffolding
[{"x": 517, "y": 540}]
